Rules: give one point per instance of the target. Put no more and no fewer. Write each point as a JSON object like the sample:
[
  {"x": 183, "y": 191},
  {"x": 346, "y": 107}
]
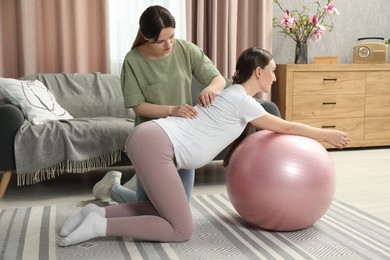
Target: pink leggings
[{"x": 167, "y": 216}]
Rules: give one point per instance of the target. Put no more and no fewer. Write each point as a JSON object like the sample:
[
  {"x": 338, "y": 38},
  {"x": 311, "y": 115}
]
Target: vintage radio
[{"x": 370, "y": 52}]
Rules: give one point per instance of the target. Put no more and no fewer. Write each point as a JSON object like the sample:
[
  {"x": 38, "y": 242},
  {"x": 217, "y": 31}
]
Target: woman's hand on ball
[{"x": 338, "y": 139}]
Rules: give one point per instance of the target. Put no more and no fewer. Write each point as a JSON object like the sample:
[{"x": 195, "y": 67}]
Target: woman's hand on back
[
  {"x": 209, "y": 93},
  {"x": 184, "y": 110},
  {"x": 206, "y": 97}
]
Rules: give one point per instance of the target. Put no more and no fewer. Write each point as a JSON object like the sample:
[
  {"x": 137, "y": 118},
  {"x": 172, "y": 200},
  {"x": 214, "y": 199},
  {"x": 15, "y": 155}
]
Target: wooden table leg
[{"x": 4, "y": 182}]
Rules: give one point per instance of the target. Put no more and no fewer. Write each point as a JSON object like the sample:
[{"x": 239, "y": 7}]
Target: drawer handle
[
  {"x": 330, "y": 79},
  {"x": 328, "y": 126},
  {"x": 329, "y": 103}
]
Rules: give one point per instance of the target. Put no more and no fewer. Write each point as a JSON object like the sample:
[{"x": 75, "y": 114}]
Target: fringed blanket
[{"x": 78, "y": 145}]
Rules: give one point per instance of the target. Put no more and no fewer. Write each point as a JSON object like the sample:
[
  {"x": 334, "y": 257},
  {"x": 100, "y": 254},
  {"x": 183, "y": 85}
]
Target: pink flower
[
  {"x": 300, "y": 26},
  {"x": 318, "y": 32},
  {"x": 288, "y": 21},
  {"x": 313, "y": 20},
  {"x": 331, "y": 9}
]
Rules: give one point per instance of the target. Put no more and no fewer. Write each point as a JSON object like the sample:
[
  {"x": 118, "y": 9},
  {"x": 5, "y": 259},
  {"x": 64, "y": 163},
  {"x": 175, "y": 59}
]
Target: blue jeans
[{"x": 121, "y": 194}]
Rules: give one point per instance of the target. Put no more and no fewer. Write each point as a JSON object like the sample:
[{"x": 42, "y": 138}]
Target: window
[{"x": 123, "y": 18}]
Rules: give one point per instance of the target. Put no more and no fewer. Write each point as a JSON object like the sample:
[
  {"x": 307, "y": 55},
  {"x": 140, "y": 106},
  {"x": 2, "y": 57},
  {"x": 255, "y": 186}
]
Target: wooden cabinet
[{"x": 354, "y": 98}]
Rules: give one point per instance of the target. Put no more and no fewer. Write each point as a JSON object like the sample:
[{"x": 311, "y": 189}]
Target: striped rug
[{"x": 343, "y": 233}]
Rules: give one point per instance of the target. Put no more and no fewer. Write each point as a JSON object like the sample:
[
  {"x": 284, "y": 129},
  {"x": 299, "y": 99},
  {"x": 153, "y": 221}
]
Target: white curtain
[{"x": 124, "y": 17}]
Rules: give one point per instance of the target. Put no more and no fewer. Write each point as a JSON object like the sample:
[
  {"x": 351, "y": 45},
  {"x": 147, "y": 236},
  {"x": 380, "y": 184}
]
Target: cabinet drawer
[
  {"x": 328, "y": 106},
  {"x": 378, "y": 82},
  {"x": 322, "y": 83},
  {"x": 377, "y": 128},
  {"x": 377, "y": 105},
  {"x": 354, "y": 127}
]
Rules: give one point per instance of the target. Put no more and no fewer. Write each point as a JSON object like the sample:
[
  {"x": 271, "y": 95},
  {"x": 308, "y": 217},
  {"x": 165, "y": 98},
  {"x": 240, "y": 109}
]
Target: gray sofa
[{"x": 101, "y": 122}]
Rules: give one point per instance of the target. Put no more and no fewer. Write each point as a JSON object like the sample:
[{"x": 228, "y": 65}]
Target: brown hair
[
  {"x": 152, "y": 21},
  {"x": 248, "y": 61}
]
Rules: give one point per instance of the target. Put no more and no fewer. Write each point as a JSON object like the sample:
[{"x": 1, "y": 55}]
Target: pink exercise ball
[{"x": 280, "y": 182}]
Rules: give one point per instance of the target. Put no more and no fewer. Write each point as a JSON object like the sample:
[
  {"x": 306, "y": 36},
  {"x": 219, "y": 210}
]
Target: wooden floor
[{"x": 363, "y": 180}]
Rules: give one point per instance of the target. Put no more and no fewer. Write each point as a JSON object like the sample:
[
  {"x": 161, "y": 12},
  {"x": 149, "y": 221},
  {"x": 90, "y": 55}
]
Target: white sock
[
  {"x": 73, "y": 222},
  {"x": 92, "y": 226}
]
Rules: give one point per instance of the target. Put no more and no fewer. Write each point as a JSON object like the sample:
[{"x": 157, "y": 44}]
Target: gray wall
[{"x": 357, "y": 18}]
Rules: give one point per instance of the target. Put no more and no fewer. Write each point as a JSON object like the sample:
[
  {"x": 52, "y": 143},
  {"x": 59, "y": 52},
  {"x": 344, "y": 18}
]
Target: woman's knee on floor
[{"x": 184, "y": 233}]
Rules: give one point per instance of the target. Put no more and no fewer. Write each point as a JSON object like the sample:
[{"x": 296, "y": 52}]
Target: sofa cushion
[
  {"x": 86, "y": 95},
  {"x": 37, "y": 103}
]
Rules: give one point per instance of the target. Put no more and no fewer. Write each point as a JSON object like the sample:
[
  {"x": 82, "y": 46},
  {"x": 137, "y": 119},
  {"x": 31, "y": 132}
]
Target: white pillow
[{"x": 36, "y": 102}]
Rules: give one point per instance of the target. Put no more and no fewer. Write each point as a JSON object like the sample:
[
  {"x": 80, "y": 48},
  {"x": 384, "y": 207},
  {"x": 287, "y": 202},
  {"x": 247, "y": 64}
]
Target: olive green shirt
[{"x": 166, "y": 81}]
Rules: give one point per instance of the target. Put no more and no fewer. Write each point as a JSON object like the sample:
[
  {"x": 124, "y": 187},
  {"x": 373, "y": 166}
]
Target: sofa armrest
[
  {"x": 270, "y": 107},
  {"x": 11, "y": 118}
]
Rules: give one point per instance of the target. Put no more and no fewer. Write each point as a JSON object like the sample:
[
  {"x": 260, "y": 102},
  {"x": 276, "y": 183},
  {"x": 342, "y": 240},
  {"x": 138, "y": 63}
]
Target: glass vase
[{"x": 301, "y": 53}]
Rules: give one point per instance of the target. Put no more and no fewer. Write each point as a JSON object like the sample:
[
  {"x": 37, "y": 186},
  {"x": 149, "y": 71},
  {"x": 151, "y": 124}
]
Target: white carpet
[{"x": 219, "y": 233}]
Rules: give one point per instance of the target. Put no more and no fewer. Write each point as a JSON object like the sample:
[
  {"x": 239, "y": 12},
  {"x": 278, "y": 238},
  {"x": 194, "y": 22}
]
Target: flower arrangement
[{"x": 300, "y": 26}]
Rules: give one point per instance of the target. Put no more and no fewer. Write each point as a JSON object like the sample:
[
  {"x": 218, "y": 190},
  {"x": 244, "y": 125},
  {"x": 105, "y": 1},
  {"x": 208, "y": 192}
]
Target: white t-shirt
[{"x": 197, "y": 141}]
